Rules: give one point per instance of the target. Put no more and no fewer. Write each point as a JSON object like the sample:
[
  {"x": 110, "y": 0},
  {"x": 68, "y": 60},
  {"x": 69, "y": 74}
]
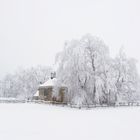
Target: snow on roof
[
  {"x": 50, "y": 82},
  {"x": 37, "y": 93}
]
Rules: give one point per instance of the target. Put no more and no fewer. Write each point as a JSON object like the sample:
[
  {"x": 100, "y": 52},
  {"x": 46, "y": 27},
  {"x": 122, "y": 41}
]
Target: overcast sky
[{"x": 33, "y": 31}]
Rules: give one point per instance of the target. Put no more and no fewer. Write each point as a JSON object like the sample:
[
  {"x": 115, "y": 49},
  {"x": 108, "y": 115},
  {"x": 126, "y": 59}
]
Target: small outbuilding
[{"x": 50, "y": 92}]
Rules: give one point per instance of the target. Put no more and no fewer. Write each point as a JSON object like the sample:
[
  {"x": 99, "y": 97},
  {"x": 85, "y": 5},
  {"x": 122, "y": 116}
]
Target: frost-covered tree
[
  {"x": 7, "y": 86},
  {"x": 24, "y": 83},
  {"x": 68, "y": 71},
  {"x": 82, "y": 67},
  {"x": 92, "y": 76},
  {"x": 97, "y": 58},
  {"x": 126, "y": 78}
]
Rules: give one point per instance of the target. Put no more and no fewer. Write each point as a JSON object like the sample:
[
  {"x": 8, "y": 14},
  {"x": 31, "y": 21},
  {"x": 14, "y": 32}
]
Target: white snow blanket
[{"x": 48, "y": 122}]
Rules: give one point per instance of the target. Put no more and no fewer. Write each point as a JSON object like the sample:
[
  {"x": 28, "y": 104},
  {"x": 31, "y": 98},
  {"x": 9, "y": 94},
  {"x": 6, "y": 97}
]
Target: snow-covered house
[{"x": 50, "y": 92}]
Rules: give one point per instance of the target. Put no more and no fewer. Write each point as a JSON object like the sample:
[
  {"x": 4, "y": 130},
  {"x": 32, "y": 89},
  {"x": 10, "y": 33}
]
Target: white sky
[{"x": 33, "y": 31}]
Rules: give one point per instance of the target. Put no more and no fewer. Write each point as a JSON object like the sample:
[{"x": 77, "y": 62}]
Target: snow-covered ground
[{"x": 46, "y": 122}]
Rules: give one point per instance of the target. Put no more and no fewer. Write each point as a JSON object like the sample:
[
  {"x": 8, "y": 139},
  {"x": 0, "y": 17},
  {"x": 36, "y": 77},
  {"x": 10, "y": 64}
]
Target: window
[{"x": 47, "y": 91}]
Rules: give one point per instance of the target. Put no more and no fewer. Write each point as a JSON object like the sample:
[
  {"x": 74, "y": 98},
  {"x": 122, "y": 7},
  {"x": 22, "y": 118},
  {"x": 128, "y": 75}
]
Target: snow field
[{"x": 47, "y": 122}]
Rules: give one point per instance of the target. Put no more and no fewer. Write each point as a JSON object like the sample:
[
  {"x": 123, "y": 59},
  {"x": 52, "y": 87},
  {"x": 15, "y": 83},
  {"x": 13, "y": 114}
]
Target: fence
[
  {"x": 120, "y": 104},
  {"x": 12, "y": 101}
]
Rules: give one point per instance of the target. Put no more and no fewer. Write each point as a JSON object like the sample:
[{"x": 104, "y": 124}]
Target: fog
[{"x": 33, "y": 31}]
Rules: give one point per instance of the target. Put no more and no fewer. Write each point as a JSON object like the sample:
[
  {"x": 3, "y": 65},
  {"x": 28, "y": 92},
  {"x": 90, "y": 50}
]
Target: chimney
[{"x": 53, "y": 75}]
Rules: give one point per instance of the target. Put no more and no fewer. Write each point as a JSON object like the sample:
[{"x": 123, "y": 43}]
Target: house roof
[{"x": 50, "y": 82}]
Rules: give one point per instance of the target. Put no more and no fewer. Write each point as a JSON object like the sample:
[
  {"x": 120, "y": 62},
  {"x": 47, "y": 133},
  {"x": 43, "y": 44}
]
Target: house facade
[{"x": 49, "y": 92}]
